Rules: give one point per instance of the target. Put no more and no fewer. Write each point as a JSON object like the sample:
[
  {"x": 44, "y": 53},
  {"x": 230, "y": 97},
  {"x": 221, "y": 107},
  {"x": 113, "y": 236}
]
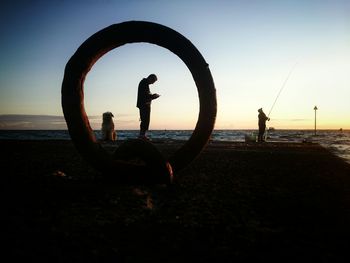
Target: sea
[{"x": 337, "y": 141}]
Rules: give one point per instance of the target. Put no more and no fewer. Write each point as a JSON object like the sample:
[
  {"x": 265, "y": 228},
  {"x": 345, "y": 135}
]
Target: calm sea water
[{"x": 336, "y": 141}]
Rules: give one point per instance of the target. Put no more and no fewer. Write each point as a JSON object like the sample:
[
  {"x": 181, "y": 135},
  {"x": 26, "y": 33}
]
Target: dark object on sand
[
  {"x": 115, "y": 36},
  {"x": 143, "y": 153}
]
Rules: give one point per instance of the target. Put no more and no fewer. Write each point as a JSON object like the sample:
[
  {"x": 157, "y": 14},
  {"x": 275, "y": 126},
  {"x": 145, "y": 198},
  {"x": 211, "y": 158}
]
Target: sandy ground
[{"x": 236, "y": 202}]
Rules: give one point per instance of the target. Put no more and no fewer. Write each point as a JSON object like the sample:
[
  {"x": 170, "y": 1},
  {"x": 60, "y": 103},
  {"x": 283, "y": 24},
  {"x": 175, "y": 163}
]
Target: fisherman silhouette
[
  {"x": 262, "y": 124},
  {"x": 144, "y": 100}
]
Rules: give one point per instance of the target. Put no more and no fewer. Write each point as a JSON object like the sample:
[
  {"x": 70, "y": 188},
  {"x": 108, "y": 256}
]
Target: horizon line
[
  {"x": 217, "y": 129},
  {"x": 58, "y": 122}
]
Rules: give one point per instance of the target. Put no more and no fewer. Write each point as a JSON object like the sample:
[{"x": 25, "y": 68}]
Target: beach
[{"x": 236, "y": 202}]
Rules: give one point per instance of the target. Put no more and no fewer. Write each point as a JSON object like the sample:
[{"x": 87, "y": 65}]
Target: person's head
[
  {"x": 260, "y": 110},
  {"x": 152, "y": 78}
]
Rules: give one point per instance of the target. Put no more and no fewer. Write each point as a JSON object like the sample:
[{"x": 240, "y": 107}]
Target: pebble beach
[{"x": 236, "y": 202}]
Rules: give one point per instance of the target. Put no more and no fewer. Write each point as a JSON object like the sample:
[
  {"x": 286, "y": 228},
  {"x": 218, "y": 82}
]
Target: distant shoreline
[{"x": 248, "y": 129}]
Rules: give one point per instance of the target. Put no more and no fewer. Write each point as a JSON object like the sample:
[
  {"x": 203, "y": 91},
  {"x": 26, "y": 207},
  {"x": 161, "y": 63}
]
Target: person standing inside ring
[{"x": 144, "y": 100}]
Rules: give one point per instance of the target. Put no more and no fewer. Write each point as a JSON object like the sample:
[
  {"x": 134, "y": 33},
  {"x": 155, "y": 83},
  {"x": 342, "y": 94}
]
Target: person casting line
[
  {"x": 144, "y": 99},
  {"x": 262, "y": 124}
]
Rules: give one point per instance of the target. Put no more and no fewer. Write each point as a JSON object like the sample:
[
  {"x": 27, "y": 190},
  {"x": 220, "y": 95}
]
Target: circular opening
[
  {"x": 112, "y": 37},
  {"x": 111, "y": 85}
]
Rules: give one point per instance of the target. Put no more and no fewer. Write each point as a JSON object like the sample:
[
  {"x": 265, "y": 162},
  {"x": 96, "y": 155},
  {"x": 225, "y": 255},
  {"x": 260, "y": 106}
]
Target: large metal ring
[{"x": 115, "y": 36}]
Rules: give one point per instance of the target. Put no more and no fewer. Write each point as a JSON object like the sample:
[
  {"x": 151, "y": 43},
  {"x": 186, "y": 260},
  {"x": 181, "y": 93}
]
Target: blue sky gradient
[{"x": 250, "y": 46}]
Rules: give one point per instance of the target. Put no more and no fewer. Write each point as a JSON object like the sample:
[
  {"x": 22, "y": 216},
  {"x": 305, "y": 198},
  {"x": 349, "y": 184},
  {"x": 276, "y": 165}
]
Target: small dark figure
[
  {"x": 262, "y": 124},
  {"x": 144, "y": 100},
  {"x": 107, "y": 129}
]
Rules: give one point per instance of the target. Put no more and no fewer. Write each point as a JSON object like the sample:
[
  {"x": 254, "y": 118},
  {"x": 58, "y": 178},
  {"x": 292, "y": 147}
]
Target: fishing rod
[
  {"x": 279, "y": 92},
  {"x": 284, "y": 84}
]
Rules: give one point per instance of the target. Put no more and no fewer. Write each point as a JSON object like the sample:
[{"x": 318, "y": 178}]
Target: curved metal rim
[{"x": 115, "y": 36}]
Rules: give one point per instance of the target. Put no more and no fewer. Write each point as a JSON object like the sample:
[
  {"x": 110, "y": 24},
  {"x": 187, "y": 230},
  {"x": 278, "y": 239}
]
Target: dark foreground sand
[{"x": 236, "y": 202}]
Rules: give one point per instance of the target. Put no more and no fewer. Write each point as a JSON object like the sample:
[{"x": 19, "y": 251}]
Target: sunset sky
[{"x": 250, "y": 46}]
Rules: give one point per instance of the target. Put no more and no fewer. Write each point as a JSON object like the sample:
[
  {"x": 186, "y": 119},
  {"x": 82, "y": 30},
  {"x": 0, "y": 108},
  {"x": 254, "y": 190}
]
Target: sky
[{"x": 297, "y": 52}]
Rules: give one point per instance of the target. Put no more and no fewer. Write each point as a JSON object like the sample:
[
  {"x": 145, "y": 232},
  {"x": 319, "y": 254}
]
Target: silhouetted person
[
  {"x": 144, "y": 100},
  {"x": 262, "y": 124}
]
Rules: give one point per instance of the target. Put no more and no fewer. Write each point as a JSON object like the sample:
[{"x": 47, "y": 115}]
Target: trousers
[{"x": 145, "y": 114}]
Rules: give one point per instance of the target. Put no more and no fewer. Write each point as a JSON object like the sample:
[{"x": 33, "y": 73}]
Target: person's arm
[
  {"x": 266, "y": 118},
  {"x": 155, "y": 96}
]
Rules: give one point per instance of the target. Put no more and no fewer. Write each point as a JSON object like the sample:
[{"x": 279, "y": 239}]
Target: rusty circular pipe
[{"x": 115, "y": 36}]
